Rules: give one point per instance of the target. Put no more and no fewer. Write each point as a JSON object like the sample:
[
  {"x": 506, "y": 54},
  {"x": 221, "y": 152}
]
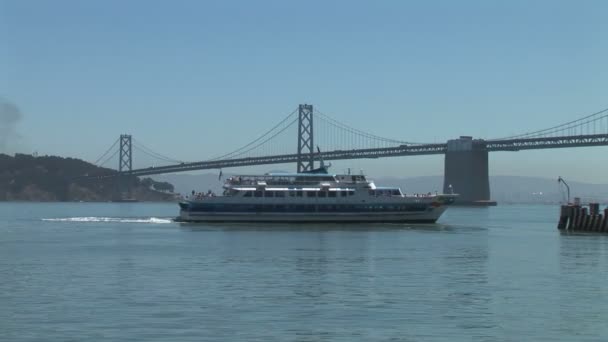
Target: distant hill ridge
[
  {"x": 50, "y": 178},
  {"x": 505, "y": 189}
]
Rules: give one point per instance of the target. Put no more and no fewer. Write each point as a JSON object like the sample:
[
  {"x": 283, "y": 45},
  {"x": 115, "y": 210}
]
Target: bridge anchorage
[
  {"x": 466, "y": 171},
  {"x": 466, "y": 168}
]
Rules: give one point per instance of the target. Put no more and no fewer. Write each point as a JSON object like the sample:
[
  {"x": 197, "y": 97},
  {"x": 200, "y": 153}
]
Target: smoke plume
[{"x": 10, "y": 115}]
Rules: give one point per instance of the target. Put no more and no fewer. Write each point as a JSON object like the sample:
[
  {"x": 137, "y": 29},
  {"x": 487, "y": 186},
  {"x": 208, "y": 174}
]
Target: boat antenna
[{"x": 561, "y": 180}]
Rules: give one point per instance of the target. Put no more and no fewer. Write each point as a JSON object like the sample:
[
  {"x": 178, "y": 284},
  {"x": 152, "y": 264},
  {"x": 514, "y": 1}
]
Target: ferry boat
[{"x": 314, "y": 196}]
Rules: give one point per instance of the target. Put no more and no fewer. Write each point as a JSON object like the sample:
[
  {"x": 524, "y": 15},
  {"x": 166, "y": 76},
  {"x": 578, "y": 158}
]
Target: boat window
[
  {"x": 322, "y": 194},
  {"x": 269, "y": 194},
  {"x": 257, "y": 194},
  {"x": 280, "y": 194},
  {"x": 372, "y": 193},
  {"x": 247, "y": 194},
  {"x": 311, "y": 194},
  {"x": 300, "y": 193},
  {"x": 343, "y": 193},
  {"x": 351, "y": 192},
  {"x": 331, "y": 194},
  {"x": 396, "y": 192}
]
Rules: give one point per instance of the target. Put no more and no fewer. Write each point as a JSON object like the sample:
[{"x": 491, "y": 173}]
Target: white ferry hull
[
  {"x": 429, "y": 216},
  {"x": 313, "y": 197}
]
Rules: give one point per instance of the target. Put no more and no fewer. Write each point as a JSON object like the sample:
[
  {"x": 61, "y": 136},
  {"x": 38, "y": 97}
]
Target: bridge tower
[
  {"x": 466, "y": 171},
  {"x": 125, "y": 166},
  {"x": 125, "y": 161},
  {"x": 306, "y": 161}
]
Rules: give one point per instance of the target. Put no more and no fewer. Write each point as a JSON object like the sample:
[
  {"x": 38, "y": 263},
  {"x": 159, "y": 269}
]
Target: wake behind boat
[{"x": 315, "y": 196}]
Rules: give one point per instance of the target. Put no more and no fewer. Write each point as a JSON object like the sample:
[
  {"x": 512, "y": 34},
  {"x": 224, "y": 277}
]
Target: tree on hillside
[
  {"x": 163, "y": 186},
  {"x": 147, "y": 182}
]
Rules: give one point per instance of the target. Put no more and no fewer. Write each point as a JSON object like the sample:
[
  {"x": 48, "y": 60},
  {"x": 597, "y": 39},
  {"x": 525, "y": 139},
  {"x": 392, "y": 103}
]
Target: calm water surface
[{"x": 125, "y": 272}]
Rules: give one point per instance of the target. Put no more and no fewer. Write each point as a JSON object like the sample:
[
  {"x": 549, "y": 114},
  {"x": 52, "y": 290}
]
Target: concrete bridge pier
[{"x": 466, "y": 171}]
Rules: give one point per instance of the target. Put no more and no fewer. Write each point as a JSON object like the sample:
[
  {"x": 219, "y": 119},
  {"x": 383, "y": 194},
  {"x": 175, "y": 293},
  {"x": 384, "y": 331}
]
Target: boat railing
[
  {"x": 416, "y": 195},
  {"x": 199, "y": 196},
  {"x": 270, "y": 182}
]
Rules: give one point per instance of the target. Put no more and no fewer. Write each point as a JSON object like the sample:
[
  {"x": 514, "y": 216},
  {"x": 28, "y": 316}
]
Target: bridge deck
[{"x": 402, "y": 150}]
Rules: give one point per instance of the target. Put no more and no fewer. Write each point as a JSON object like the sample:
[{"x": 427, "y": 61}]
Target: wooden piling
[
  {"x": 580, "y": 218},
  {"x": 577, "y": 218},
  {"x": 593, "y": 223},
  {"x": 594, "y": 208},
  {"x": 571, "y": 217},
  {"x": 563, "y": 217},
  {"x": 586, "y": 219}
]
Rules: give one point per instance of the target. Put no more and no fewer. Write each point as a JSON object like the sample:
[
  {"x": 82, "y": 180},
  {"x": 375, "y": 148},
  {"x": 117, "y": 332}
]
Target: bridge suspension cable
[
  {"x": 108, "y": 158},
  {"x": 105, "y": 153},
  {"x": 148, "y": 151},
  {"x": 339, "y": 141},
  {"x": 357, "y": 136},
  {"x": 596, "y": 123},
  {"x": 332, "y": 135},
  {"x": 269, "y": 135}
]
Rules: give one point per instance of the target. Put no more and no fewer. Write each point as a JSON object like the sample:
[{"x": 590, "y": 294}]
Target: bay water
[{"x": 127, "y": 272}]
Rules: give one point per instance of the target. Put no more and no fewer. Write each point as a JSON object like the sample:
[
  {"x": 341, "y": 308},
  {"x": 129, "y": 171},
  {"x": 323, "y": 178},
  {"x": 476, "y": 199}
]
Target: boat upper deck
[{"x": 294, "y": 179}]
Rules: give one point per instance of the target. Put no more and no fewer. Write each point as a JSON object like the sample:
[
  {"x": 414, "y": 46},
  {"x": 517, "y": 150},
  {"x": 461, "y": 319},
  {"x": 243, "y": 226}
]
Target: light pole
[{"x": 561, "y": 180}]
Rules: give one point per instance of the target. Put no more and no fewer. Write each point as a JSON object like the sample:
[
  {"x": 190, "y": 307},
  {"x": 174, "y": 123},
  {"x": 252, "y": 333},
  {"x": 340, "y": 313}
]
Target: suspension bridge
[{"x": 466, "y": 159}]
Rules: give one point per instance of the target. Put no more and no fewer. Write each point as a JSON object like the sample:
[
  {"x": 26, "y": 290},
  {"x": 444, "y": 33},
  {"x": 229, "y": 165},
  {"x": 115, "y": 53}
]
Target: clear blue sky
[{"x": 194, "y": 78}]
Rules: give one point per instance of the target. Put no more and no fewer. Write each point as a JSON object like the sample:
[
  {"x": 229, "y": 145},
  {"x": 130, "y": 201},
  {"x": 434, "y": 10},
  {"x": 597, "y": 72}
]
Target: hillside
[{"x": 49, "y": 178}]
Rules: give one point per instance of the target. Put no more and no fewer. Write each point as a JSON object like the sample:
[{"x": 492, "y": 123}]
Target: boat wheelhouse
[{"x": 312, "y": 197}]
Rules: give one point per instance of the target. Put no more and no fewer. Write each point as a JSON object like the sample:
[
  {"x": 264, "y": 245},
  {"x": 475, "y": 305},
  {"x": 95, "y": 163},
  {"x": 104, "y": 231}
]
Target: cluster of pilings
[{"x": 579, "y": 218}]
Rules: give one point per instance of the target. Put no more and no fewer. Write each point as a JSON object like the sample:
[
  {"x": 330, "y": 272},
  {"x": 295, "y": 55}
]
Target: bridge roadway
[{"x": 403, "y": 150}]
